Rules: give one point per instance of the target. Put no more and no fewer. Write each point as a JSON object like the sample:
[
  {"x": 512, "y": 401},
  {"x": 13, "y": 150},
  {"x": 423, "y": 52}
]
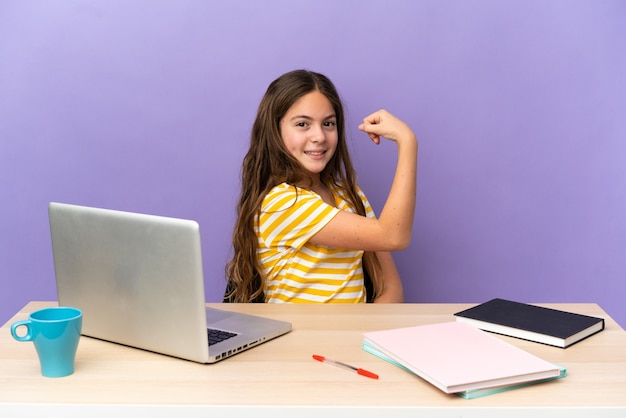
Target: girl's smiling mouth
[{"x": 315, "y": 153}]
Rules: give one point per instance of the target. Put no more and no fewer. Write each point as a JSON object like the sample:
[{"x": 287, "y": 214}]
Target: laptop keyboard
[{"x": 217, "y": 335}]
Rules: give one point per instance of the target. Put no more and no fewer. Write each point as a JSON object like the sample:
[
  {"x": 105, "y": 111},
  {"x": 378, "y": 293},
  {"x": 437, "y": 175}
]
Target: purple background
[{"x": 146, "y": 106}]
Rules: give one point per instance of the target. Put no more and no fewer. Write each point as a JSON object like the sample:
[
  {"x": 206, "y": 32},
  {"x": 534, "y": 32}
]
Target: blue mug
[{"x": 55, "y": 332}]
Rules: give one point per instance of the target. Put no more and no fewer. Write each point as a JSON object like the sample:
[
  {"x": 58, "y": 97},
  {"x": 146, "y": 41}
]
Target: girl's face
[{"x": 309, "y": 131}]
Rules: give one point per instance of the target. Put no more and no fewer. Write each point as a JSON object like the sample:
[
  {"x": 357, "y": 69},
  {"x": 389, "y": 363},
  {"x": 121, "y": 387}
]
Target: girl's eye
[
  {"x": 301, "y": 124},
  {"x": 330, "y": 124}
]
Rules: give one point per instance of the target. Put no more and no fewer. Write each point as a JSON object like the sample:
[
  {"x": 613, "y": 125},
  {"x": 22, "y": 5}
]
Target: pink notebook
[{"x": 457, "y": 357}]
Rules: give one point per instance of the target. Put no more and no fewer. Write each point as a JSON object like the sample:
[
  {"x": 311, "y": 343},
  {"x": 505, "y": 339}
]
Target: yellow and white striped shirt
[{"x": 294, "y": 270}]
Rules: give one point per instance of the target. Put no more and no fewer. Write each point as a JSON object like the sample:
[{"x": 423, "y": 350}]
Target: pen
[{"x": 360, "y": 371}]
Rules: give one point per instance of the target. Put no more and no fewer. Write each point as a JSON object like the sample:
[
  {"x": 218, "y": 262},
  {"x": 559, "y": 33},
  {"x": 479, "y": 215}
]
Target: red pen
[{"x": 360, "y": 371}]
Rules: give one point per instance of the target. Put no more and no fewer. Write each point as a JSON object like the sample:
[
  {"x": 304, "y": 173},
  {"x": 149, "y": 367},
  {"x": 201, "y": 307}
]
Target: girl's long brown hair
[{"x": 268, "y": 163}]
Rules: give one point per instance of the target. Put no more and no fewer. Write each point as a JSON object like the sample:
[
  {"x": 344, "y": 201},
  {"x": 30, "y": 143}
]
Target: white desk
[{"x": 280, "y": 379}]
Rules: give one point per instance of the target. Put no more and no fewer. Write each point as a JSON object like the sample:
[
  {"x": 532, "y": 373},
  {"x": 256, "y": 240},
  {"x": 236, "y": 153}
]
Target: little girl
[{"x": 305, "y": 231}]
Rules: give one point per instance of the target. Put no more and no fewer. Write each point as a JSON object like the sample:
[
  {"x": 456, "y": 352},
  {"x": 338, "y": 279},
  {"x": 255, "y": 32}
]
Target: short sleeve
[{"x": 290, "y": 216}]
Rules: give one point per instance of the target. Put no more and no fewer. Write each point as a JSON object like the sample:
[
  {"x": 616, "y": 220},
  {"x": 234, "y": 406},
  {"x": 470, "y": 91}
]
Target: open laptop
[{"x": 138, "y": 280}]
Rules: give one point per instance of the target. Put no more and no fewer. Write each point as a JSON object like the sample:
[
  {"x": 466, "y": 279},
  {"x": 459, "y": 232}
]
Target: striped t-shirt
[{"x": 295, "y": 270}]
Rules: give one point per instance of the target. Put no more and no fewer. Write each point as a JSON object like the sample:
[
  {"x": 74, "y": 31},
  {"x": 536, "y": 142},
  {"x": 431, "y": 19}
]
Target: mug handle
[{"x": 27, "y": 337}]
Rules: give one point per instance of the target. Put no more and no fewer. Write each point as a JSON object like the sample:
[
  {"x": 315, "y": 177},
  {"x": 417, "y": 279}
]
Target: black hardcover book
[{"x": 530, "y": 322}]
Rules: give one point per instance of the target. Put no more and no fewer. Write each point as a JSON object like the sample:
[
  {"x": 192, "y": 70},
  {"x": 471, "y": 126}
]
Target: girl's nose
[{"x": 318, "y": 134}]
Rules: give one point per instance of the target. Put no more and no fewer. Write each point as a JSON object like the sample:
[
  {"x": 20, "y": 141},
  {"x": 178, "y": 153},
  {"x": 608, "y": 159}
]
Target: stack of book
[{"x": 460, "y": 357}]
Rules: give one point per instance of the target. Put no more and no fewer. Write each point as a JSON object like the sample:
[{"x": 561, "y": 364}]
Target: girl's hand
[{"x": 382, "y": 123}]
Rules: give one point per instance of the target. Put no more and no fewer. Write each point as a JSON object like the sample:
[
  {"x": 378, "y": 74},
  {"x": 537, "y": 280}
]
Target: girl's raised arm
[{"x": 392, "y": 230}]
